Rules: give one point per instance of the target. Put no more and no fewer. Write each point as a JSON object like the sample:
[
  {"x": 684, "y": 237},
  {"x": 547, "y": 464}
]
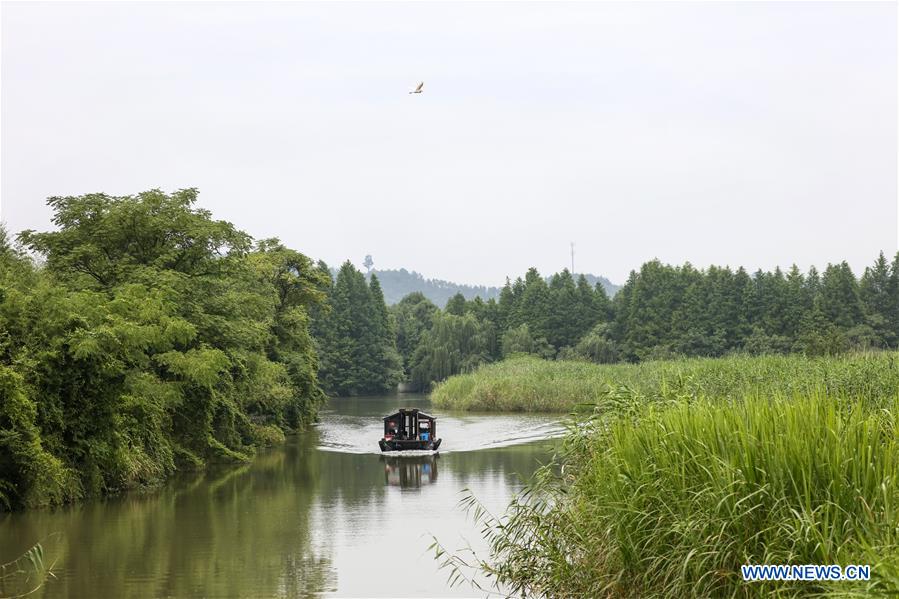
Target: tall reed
[
  {"x": 675, "y": 482},
  {"x": 534, "y": 385}
]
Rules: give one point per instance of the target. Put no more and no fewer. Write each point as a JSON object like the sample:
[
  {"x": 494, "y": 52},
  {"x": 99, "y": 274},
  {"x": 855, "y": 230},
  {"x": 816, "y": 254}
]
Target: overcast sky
[{"x": 756, "y": 134}]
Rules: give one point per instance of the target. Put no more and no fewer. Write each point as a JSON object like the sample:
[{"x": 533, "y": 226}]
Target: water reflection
[
  {"x": 411, "y": 472},
  {"x": 296, "y": 522},
  {"x": 239, "y": 532}
]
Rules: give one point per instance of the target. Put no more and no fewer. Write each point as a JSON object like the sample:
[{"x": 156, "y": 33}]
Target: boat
[{"x": 409, "y": 429}]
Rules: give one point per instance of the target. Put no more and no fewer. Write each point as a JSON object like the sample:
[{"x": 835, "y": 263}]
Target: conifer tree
[
  {"x": 840, "y": 302},
  {"x": 357, "y": 343},
  {"x": 878, "y": 299}
]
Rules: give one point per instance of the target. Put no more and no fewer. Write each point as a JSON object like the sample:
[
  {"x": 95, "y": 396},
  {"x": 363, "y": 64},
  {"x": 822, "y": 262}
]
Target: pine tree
[
  {"x": 565, "y": 321},
  {"x": 877, "y": 297},
  {"x": 357, "y": 342},
  {"x": 840, "y": 301},
  {"x": 535, "y": 305},
  {"x": 386, "y": 360}
]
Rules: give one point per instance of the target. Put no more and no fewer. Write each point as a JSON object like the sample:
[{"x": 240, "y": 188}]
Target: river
[{"x": 326, "y": 514}]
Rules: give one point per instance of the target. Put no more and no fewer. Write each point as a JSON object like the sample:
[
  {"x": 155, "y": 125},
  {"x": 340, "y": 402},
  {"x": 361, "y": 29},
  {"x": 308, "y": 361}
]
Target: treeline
[
  {"x": 661, "y": 312},
  {"x": 531, "y": 315},
  {"x": 398, "y": 283},
  {"x": 151, "y": 338},
  {"x": 366, "y": 347},
  {"x": 664, "y": 310}
]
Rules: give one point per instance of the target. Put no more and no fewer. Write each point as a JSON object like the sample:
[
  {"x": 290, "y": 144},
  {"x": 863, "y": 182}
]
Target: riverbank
[
  {"x": 529, "y": 384},
  {"x": 685, "y": 471}
]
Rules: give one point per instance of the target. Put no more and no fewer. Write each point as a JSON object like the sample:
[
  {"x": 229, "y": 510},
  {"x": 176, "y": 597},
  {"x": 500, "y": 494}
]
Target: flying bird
[{"x": 418, "y": 89}]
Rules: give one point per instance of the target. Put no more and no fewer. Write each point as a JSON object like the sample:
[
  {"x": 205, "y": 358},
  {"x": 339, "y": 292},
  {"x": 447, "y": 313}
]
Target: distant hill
[
  {"x": 610, "y": 287},
  {"x": 397, "y": 284}
]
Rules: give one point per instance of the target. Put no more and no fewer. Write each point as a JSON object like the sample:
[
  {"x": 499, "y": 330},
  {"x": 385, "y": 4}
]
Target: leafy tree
[
  {"x": 456, "y": 305},
  {"x": 517, "y": 341},
  {"x": 413, "y": 315},
  {"x": 153, "y": 338},
  {"x": 104, "y": 240},
  {"x": 520, "y": 341},
  {"x": 452, "y": 345},
  {"x": 596, "y": 346}
]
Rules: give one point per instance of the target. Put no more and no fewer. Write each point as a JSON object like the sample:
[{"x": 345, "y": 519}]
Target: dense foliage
[
  {"x": 683, "y": 471},
  {"x": 151, "y": 338},
  {"x": 413, "y": 315},
  {"x": 356, "y": 338},
  {"x": 665, "y": 311},
  {"x": 530, "y": 316}
]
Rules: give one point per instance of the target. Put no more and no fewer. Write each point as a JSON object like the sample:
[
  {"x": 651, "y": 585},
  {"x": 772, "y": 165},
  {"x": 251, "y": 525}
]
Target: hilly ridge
[{"x": 398, "y": 283}]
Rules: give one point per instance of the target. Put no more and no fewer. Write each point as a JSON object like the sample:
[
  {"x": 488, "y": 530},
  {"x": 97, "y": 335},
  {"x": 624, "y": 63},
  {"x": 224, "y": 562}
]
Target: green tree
[
  {"x": 356, "y": 340},
  {"x": 569, "y": 316},
  {"x": 878, "y": 293},
  {"x": 155, "y": 338},
  {"x": 453, "y": 344},
  {"x": 456, "y": 305},
  {"x": 534, "y": 306},
  {"x": 596, "y": 346},
  {"x": 840, "y": 302},
  {"x": 413, "y": 315}
]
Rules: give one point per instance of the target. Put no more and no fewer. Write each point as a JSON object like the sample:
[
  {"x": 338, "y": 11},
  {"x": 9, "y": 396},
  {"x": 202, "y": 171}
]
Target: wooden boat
[{"x": 409, "y": 429}]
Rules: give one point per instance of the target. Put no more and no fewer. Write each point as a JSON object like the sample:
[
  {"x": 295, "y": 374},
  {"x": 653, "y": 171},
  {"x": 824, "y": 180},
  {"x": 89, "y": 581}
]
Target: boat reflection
[{"x": 410, "y": 472}]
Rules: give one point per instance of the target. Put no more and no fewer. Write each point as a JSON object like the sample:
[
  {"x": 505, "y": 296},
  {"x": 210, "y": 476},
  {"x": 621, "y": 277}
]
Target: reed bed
[
  {"x": 674, "y": 481},
  {"x": 529, "y": 384}
]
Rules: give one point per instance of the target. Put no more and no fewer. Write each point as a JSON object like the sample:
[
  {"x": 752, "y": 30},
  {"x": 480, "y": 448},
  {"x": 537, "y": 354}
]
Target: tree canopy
[{"x": 153, "y": 338}]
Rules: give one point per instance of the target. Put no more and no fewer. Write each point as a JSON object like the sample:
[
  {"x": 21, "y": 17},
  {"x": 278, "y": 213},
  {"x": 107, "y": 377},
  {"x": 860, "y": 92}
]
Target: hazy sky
[{"x": 720, "y": 133}]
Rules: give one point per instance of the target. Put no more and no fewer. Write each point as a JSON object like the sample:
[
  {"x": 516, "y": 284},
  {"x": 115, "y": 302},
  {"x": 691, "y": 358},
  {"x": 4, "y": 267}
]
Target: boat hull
[{"x": 409, "y": 444}]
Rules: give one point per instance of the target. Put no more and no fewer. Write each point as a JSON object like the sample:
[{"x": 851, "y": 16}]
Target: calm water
[{"x": 326, "y": 514}]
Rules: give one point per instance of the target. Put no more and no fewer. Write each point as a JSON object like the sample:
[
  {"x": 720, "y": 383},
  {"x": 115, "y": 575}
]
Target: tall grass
[
  {"x": 528, "y": 384},
  {"x": 676, "y": 481}
]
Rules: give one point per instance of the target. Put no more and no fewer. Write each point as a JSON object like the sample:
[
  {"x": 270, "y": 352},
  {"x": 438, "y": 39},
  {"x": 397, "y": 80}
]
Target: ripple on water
[{"x": 460, "y": 432}]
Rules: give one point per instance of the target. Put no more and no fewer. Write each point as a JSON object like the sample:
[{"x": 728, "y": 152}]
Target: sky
[{"x": 754, "y": 134}]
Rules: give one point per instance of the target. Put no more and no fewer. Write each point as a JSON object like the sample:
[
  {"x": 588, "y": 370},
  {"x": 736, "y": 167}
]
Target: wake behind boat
[{"x": 409, "y": 429}]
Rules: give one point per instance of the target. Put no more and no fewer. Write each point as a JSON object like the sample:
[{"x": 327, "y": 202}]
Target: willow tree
[
  {"x": 413, "y": 315},
  {"x": 452, "y": 345}
]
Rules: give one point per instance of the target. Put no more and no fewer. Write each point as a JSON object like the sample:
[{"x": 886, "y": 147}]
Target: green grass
[
  {"x": 528, "y": 384},
  {"x": 680, "y": 477}
]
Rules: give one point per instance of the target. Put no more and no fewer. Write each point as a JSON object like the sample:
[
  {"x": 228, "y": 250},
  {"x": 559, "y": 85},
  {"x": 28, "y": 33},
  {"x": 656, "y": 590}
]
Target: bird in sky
[{"x": 418, "y": 89}]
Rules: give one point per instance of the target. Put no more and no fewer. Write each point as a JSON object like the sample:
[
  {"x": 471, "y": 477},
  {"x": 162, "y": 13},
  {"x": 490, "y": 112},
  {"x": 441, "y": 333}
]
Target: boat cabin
[{"x": 410, "y": 424}]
